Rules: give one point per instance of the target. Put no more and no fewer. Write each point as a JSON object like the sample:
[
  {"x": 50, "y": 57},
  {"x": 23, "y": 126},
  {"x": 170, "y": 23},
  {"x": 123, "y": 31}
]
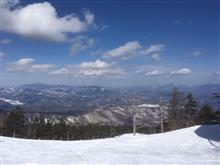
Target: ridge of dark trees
[{"x": 16, "y": 124}]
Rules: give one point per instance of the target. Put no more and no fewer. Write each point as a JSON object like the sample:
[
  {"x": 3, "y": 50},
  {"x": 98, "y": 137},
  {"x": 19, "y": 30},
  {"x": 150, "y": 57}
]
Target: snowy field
[{"x": 195, "y": 145}]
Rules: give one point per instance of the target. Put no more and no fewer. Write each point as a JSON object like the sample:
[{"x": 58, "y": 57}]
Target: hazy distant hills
[{"x": 75, "y": 99}]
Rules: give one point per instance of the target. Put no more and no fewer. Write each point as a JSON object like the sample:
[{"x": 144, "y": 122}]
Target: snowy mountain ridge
[{"x": 64, "y": 98}]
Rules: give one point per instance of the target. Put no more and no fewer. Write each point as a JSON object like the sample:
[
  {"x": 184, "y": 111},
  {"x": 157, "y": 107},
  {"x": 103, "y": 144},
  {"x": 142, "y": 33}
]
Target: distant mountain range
[{"x": 82, "y": 99}]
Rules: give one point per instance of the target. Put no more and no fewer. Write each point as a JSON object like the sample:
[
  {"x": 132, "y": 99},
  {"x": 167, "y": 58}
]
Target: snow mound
[{"x": 194, "y": 145}]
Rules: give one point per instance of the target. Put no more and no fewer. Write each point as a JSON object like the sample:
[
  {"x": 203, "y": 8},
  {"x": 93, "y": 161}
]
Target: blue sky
[{"x": 109, "y": 43}]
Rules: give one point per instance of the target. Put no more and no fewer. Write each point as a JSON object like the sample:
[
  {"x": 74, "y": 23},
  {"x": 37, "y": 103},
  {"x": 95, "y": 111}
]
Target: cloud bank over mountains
[
  {"x": 89, "y": 69},
  {"x": 28, "y": 65},
  {"x": 92, "y": 69}
]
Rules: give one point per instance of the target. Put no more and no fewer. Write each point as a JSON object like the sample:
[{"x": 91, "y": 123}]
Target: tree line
[
  {"x": 182, "y": 112},
  {"x": 16, "y": 124}
]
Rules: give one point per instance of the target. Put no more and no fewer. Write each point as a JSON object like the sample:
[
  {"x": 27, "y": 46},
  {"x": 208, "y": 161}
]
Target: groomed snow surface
[{"x": 194, "y": 145}]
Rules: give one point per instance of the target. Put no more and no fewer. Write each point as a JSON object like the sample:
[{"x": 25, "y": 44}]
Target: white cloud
[
  {"x": 178, "y": 21},
  {"x": 2, "y": 54},
  {"x": 154, "y": 73},
  {"x": 196, "y": 54},
  {"x": 24, "y": 61},
  {"x": 183, "y": 71},
  {"x": 147, "y": 69},
  {"x": 218, "y": 73},
  {"x": 41, "y": 20},
  {"x": 42, "y": 67},
  {"x": 96, "y": 52},
  {"x": 81, "y": 43},
  {"x": 153, "y": 49},
  {"x": 97, "y": 64},
  {"x": 133, "y": 49},
  {"x": 92, "y": 69},
  {"x": 27, "y": 65},
  {"x": 62, "y": 71},
  {"x": 156, "y": 56},
  {"x": 5, "y": 41},
  {"x": 158, "y": 70},
  {"x": 140, "y": 70},
  {"x": 125, "y": 51},
  {"x": 102, "y": 27}
]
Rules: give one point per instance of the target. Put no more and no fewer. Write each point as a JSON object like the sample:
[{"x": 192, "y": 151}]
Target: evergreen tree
[
  {"x": 34, "y": 125},
  {"x": 15, "y": 123},
  {"x": 205, "y": 114},
  {"x": 61, "y": 129},
  {"x": 191, "y": 105},
  {"x": 190, "y": 109},
  {"x": 40, "y": 127},
  {"x": 216, "y": 96}
]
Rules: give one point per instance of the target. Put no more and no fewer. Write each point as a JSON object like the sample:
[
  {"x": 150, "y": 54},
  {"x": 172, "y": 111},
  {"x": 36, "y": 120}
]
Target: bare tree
[
  {"x": 134, "y": 117},
  {"x": 161, "y": 114},
  {"x": 175, "y": 111}
]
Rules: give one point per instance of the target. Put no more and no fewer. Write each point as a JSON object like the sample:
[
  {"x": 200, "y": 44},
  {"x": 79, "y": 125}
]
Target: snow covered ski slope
[{"x": 195, "y": 145}]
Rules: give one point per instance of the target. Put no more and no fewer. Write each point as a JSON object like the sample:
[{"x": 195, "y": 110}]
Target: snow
[
  {"x": 194, "y": 145},
  {"x": 149, "y": 105},
  {"x": 12, "y": 102}
]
